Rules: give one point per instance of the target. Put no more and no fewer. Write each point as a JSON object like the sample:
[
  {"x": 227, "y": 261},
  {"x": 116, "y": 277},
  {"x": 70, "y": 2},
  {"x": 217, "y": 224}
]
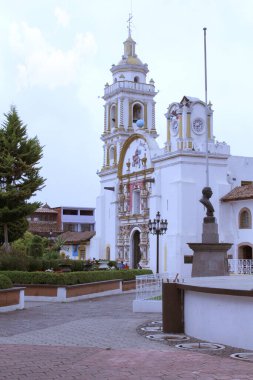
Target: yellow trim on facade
[
  {"x": 124, "y": 148},
  {"x": 116, "y": 116},
  {"x": 135, "y": 174},
  {"x": 188, "y": 130},
  {"x": 109, "y": 118},
  {"x": 145, "y": 116},
  {"x": 180, "y": 127},
  {"x": 130, "y": 115},
  {"x": 108, "y": 156},
  {"x": 168, "y": 131}
]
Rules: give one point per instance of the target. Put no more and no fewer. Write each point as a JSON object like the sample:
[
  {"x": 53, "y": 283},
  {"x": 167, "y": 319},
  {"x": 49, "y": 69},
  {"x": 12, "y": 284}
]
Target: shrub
[
  {"x": 5, "y": 282},
  {"x": 13, "y": 261},
  {"x": 112, "y": 264},
  {"x": 51, "y": 255},
  {"x": 73, "y": 278},
  {"x": 36, "y": 247}
]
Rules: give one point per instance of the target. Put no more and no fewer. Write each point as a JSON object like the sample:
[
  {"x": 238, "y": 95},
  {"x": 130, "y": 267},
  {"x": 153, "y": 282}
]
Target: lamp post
[{"x": 157, "y": 227}]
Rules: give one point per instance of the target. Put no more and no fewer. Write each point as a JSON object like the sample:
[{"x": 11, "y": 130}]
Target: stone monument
[{"x": 210, "y": 256}]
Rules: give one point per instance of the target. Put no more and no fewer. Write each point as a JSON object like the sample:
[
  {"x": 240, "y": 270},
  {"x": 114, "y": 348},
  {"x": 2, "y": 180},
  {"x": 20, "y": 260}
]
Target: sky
[{"x": 56, "y": 57}]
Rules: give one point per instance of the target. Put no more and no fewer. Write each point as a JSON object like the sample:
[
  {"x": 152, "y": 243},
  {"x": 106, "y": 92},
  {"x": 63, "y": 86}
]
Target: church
[{"x": 138, "y": 178}]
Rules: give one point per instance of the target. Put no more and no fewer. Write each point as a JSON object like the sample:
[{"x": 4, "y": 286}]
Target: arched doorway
[
  {"x": 136, "y": 253},
  {"x": 245, "y": 252}
]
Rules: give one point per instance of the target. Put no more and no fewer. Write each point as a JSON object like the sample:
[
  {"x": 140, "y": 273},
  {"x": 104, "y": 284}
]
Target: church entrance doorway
[
  {"x": 136, "y": 253},
  {"x": 245, "y": 252}
]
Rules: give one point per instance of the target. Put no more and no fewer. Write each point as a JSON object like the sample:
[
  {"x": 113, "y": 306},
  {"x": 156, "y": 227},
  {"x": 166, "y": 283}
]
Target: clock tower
[{"x": 187, "y": 125}]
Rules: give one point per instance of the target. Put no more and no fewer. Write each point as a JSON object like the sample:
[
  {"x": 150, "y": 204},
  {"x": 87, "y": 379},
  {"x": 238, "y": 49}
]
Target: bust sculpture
[{"x": 207, "y": 193}]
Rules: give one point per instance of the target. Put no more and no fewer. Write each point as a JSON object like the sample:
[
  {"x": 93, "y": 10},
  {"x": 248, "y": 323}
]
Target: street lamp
[{"x": 157, "y": 227}]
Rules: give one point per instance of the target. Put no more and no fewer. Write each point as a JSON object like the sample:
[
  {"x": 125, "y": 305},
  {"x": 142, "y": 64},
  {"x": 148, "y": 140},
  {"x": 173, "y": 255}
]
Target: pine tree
[{"x": 19, "y": 173}]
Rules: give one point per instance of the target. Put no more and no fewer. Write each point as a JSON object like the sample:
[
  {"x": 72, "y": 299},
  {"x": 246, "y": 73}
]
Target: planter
[
  {"x": 128, "y": 285},
  {"x": 11, "y": 299},
  {"x": 68, "y": 293}
]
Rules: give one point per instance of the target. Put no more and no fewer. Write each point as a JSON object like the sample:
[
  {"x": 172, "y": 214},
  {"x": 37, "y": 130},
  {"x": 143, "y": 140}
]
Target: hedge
[
  {"x": 5, "y": 282},
  {"x": 72, "y": 278},
  {"x": 13, "y": 262}
]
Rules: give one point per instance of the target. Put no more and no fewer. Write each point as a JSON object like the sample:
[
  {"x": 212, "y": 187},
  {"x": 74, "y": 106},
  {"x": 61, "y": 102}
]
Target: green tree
[
  {"x": 36, "y": 247},
  {"x": 15, "y": 230},
  {"x": 22, "y": 244},
  {"x": 19, "y": 173}
]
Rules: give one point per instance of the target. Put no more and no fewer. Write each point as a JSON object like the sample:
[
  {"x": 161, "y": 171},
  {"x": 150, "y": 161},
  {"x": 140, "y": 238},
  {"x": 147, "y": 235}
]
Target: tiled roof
[
  {"x": 239, "y": 193},
  {"x": 45, "y": 210},
  {"x": 76, "y": 237}
]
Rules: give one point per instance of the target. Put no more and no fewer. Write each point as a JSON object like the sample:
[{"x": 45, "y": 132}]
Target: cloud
[
  {"x": 42, "y": 64},
  {"x": 62, "y": 16}
]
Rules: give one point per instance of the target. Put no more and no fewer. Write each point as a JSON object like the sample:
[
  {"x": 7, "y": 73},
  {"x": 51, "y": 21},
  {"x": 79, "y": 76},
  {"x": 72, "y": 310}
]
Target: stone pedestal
[
  {"x": 210, "y": 256},
  {"x": 210, "y": 230},
  {"x": 209, "y": 259}
]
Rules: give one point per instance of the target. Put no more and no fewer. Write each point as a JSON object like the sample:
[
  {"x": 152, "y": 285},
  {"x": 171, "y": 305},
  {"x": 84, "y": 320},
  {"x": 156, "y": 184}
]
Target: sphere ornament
[{"x": 140, "y": 123}]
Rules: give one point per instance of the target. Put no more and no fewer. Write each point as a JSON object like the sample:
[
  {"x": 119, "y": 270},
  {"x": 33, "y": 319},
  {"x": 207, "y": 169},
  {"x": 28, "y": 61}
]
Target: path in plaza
[{"x": 97, "y": 339}]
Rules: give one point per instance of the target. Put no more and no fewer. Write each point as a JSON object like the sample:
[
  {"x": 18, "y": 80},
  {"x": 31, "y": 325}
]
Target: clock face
[
  {"x": 198, "y": 125},
  {"x": 174, "y": 118},
  {"x": 174, "y": 126}
]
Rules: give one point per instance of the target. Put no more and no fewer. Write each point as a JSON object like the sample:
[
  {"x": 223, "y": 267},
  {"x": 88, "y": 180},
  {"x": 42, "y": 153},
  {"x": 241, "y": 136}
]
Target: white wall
[{"x": 219, "y": 318}]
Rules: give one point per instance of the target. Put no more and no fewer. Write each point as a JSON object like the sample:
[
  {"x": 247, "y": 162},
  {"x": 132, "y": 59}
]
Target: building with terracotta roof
[
  {"x": 76, "y": 244},
  {"x": 45, "y": 222},
  {"x": 237, "y": 206}
]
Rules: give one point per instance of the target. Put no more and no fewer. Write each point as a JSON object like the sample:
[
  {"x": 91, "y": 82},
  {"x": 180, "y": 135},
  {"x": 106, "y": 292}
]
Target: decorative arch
[
  {"x": 124, "y": 149},
  {"x": 245, "y": 218},
  {"x": 113, "y": 115},
  {"x": 245, "y": 251},
  {"x": 135, "y": 239}
]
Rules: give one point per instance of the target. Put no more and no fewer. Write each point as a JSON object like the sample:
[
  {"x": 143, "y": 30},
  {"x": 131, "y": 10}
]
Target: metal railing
[
  {"x": 240, "y": 266},
  {"x": 149, "y": 286},
  {"x": 129, "y": 86}
]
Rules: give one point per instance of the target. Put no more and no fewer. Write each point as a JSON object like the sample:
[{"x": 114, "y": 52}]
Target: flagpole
[{"x": 207, "y": 160}]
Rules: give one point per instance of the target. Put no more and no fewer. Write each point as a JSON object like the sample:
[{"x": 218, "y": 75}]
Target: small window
[
  {"x": 87, "y": 227},
  {"x": 87, "y": 212},
  {"x": 245, "y": 218},
  {"x": 70, "y": 212},
  {"x": 136, "y": 79},
  {"x": 245, "y": 183},
  {"x": 70, "y": 227},
  {"x": 136, "y": 202},
  {"x": 188, "y": 259}
]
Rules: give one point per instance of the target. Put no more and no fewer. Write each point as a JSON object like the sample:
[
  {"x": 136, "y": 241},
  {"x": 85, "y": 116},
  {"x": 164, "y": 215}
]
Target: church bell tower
[{"x": 129, "y": 104}]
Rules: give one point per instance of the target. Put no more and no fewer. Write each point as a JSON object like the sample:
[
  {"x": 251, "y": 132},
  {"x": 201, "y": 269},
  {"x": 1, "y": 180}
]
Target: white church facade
[{"x": 138, "y": 178}]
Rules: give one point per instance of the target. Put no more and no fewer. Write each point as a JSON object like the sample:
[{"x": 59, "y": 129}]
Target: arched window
[
  {"x": 111, "y": 155},
  {"x": 113, "y": 116},
  {"x": 137, "y": 112},
  {"x": 245, "y": 252},
  {"x": 136, "y": 79},
  {"x": 136, "y": 201},
  {"x": 245, "y": 218}
]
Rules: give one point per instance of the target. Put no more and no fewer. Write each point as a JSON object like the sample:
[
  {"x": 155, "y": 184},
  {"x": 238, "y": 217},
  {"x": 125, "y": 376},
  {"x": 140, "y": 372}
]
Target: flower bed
[{"x": 11, "y": 299}]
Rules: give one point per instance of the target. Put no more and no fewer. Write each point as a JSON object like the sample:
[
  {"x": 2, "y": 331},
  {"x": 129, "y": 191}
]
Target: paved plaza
[{"x": 97, "y": 339}]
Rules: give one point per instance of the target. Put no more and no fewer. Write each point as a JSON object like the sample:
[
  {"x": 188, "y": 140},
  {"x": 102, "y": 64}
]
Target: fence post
[{"x": 172, "y": 308}]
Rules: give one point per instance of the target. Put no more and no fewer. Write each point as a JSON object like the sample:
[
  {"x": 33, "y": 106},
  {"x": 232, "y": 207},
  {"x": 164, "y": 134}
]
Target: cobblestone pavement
[{"x": 97, "y": 339}]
